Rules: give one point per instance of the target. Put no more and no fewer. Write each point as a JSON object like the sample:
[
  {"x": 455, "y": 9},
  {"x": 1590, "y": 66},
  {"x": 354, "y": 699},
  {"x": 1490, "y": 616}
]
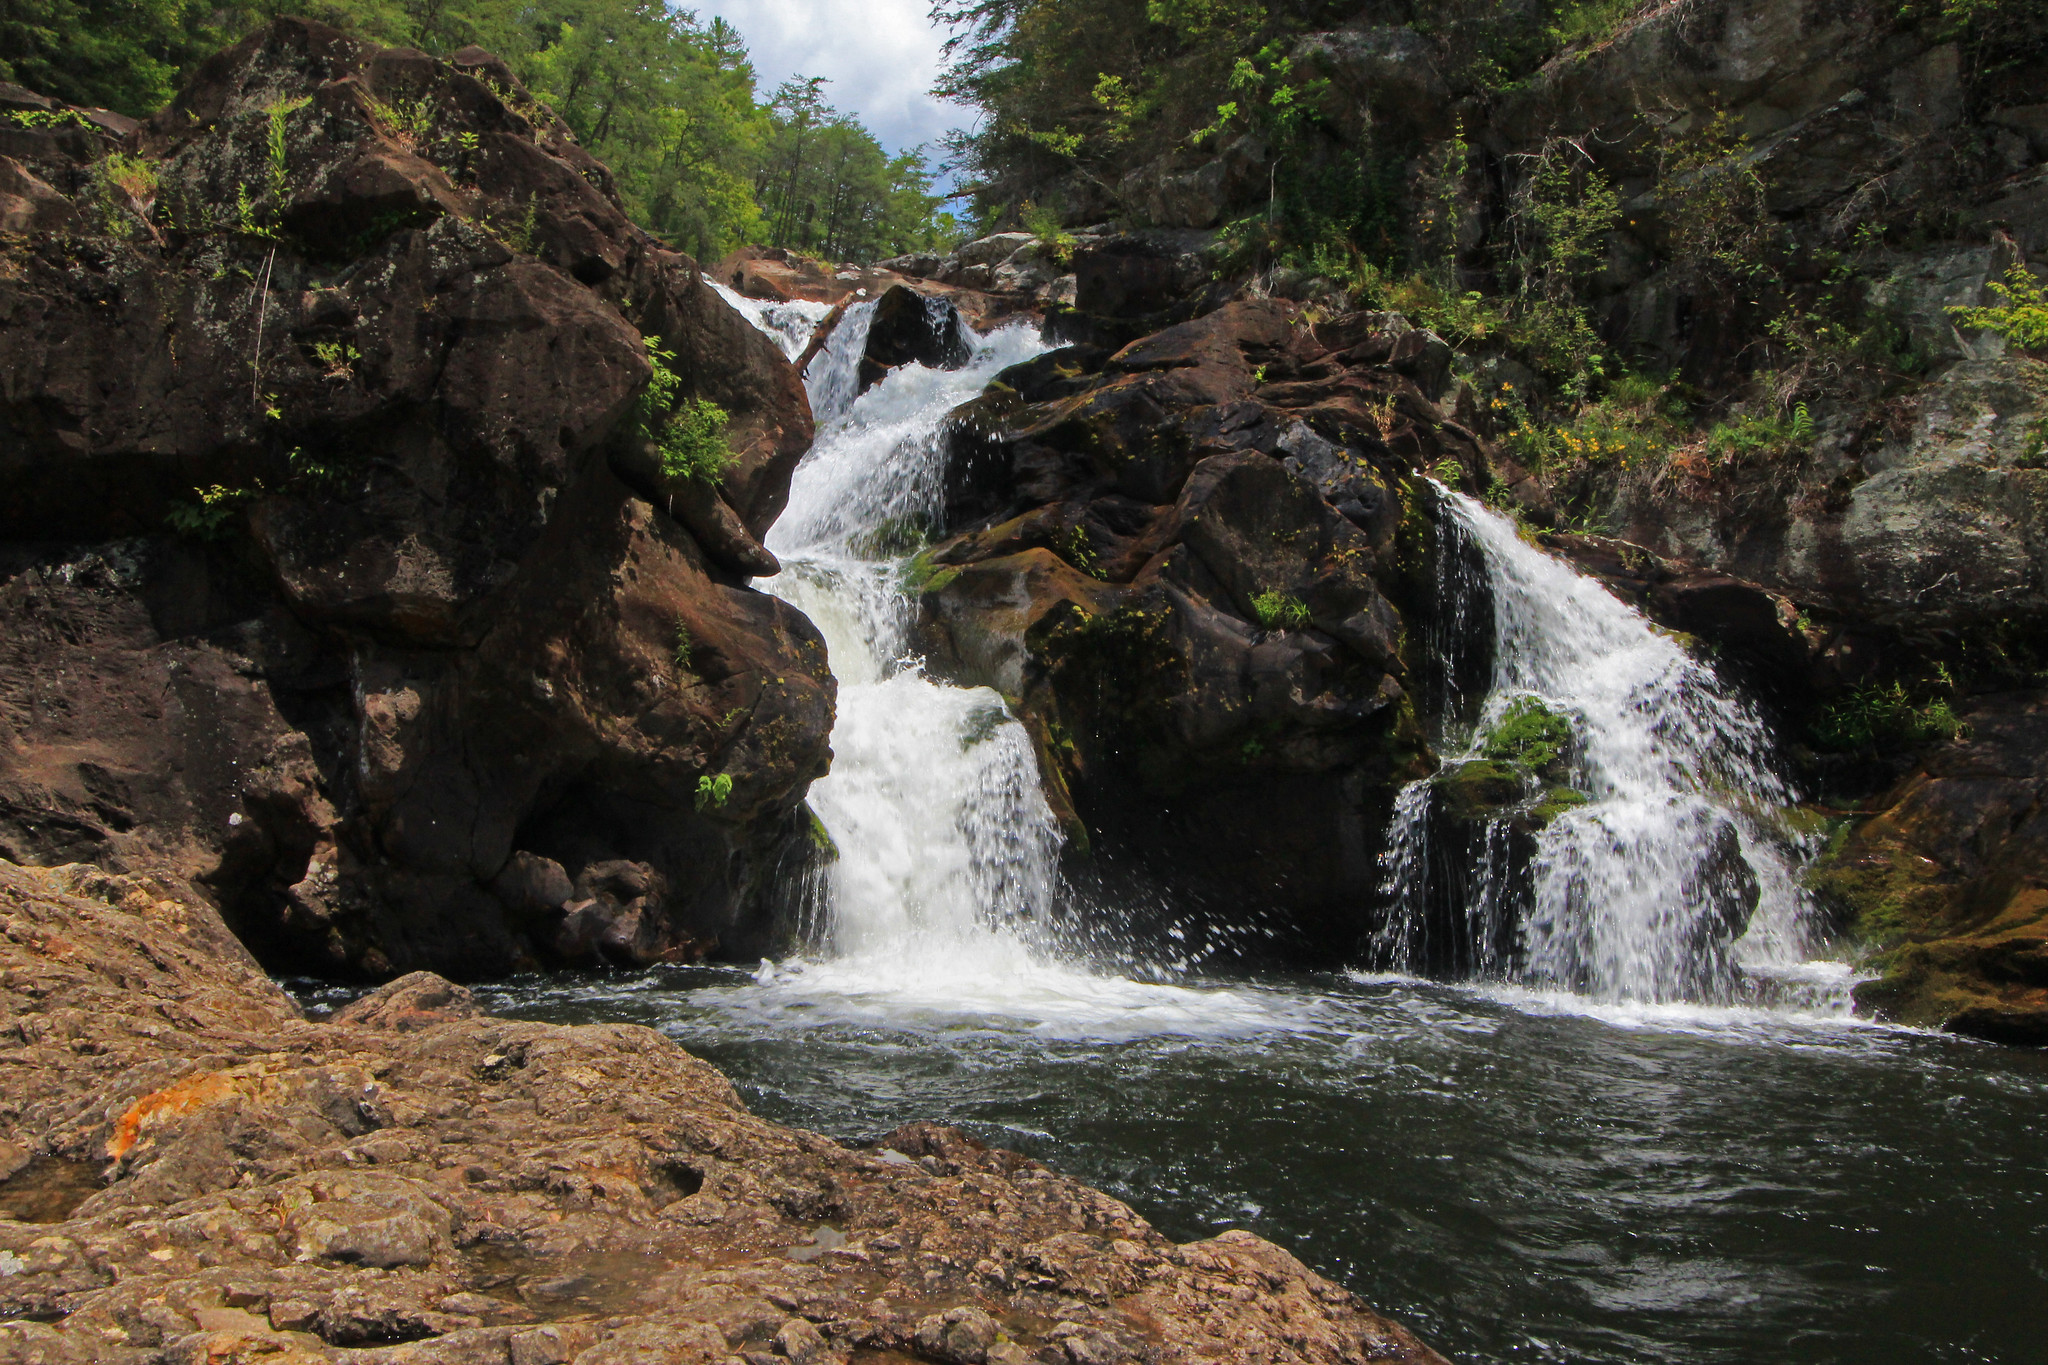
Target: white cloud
[{"x": 880, "y": 57}]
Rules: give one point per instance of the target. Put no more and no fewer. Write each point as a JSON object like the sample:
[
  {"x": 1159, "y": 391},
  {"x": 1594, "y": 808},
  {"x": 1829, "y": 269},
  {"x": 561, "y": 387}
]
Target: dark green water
[{"x": 1518, "y": 1178}]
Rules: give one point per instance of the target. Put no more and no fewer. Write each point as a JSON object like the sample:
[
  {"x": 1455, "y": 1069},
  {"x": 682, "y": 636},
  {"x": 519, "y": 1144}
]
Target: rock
[
  {"x": 1950, "y": 881},
  {"x": 359, "y": 1194},
  {"x": 442, "y": 613},
  {"x": 911, "y": 327},
  {"x": 414, "y": 1001},
  {"x": 1191, "y": 565},
  {"x": 959, "y": 1336}
]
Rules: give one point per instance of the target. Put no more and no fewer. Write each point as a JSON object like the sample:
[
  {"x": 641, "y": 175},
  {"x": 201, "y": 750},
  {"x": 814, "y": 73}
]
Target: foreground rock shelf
[{"x": 199, "y": 1173}]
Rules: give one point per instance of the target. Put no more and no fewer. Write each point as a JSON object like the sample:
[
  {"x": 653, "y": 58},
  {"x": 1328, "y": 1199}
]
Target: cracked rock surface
[{"x": 198, "y": 1173}]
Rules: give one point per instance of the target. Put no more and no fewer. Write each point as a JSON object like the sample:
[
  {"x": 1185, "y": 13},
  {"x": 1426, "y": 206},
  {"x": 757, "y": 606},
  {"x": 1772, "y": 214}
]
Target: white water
[
  {"x": 790, "y": 323},
  {"x": 942, "y": 895},
  {"x": 1681, "y": 774},
  {"x": 942, "y": 892}
]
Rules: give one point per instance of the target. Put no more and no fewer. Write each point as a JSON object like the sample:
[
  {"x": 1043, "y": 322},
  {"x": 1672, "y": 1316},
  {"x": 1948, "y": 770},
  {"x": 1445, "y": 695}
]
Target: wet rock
[
  {"x": 1949, "y": 881},
  {"x": 487, "y": 1190},
  {"x": 1182, "y": 563},
  {"x": 911, "y": 327}
]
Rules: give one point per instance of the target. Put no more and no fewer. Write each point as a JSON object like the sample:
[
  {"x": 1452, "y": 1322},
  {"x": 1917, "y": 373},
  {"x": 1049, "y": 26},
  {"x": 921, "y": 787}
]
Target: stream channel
[{"x": 1635, "y": 1142}]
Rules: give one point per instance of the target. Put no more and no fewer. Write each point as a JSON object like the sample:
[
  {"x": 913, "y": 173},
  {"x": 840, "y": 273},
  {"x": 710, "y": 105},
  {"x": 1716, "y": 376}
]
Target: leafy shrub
[
  {"x": 690, "y": 435},
  {"x": 1277, "y": 610},
  {"x": 1633, "y": 426},
  {"x": 1053, "y": 239},
  {"x": 1881, "y": 716},
  {"x": 692, "y": 442},
  {"x": 2022, "y": 319},
  {"x": 1755, "y": 435}
]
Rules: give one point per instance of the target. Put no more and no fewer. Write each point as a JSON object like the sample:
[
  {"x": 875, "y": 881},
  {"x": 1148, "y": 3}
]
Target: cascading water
[
  {"x": 1670, "y": 881},
  {"x": 789, "y": 322},
  {"x": 947, "y": 847}
]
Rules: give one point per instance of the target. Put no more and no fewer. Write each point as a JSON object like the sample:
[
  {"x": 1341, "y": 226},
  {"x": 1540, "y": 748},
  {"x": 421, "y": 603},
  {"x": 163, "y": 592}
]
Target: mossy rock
[
  {"x": 1556, "y": 802},
  {"x": 1531, "y": 736},
  {"x": 1481, "y": 789}
]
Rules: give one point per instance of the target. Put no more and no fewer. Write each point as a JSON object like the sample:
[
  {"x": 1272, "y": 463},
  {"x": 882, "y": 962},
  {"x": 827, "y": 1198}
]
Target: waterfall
[
  {"x": 789, "y": 322},
  {"x": 1673, "y": 880},
  {"x": 947, "y": 849}
]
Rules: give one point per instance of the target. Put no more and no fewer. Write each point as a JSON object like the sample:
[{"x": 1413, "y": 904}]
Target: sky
[{"x": 879, "y": 58}]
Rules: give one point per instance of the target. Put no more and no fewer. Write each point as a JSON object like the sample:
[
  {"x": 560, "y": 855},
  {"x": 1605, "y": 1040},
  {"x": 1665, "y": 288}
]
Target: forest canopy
[{"x": 702, "y": 157}]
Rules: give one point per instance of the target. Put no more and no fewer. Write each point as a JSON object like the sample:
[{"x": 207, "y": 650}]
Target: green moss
[
  {"x": 922, "y": 575},
  {"x": 1480, "y": 789},
  {"x": 1556, "y": 802},
  {"x": 1530, "y": 736},
  {"x": 820, "y": 837}
]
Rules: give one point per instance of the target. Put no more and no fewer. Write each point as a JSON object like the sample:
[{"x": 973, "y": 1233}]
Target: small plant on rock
[
  {"x": 690, "y": 435},
  {"x": 2022, "y": 319},
  {"x": 207, "y": 518},
  {"x": 713, "y": 791},
  {"x": 1277, "y": 610},
  {"x": 337, "y": 358}
]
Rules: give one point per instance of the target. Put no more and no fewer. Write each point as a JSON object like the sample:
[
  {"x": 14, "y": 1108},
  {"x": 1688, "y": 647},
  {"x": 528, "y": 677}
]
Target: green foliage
[
  {"x": 337, "y": 358},
  {"x": 2022, "y": 319},
  {"x": 1760, "y": 436},
  {"x": 685, "y": 645},
  {"x": 209, "y": 517},
  {"x": 689, "y": 434},
  {"x": 693, "y": 444},
  {"x": 122, "y": 188},
  {"x": 1053, "y": 239},
  {"x": 713, "y": 791},
  {"x": 1878, "y": 717},
  {"x": 1460, "y": 319},
  {"x": 1712, "y": 198},
  {"x": 279, "y": 171},
  {"x": 1276, "y": 610},
  {"x": 1528, "y": 735},
  {"x": 49, "y": 118},
  {"x": 667, "y": 102},
  {"x": 1634, "y": 425}
]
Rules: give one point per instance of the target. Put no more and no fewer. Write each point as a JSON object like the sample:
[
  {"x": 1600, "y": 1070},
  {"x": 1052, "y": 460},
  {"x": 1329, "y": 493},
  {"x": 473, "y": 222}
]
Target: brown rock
[
  {"x": 483, "y": 1190},
  {"x": 425, "y": 626}
]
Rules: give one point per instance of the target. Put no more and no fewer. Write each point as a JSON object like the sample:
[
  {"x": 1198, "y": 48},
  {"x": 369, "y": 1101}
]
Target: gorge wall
[{"x": 341, "y": 579}]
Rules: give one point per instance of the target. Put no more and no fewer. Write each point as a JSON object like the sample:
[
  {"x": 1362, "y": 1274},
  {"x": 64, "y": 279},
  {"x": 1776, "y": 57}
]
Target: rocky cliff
[
  {"x": 1780, "y": 429},
  {"x": 340, "y": 577},
  {"x": 196, "y": 1173}
]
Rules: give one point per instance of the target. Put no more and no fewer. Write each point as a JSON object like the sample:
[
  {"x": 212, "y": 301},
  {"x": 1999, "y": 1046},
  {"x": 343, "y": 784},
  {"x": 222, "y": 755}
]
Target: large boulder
[
  {"x": 337, "y": 573},
  {"x": 1195, "y": 566}
]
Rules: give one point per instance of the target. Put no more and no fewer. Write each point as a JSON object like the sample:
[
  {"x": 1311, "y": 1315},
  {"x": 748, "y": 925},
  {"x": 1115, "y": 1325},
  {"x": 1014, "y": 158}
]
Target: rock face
[
  {"x": 213, "y": 1178},
  {"x": 338, "y": 577},
  {"x": 1952, "y": 878},
  {"x": 1194, "y": 566}
]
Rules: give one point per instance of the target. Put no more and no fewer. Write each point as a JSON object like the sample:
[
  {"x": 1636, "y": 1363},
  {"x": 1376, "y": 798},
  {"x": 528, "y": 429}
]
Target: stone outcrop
[
  {"x": 197, "y": 1173},
  {"x": 1195, "y": 566},
  {"x": 338, "y": 576},
  {"x": 1950, "y": 878}
]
